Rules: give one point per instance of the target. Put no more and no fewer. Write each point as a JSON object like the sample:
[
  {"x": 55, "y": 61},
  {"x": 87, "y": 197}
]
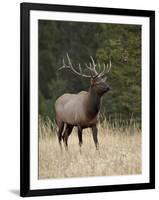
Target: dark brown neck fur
[{"x": 93, "y": 103}]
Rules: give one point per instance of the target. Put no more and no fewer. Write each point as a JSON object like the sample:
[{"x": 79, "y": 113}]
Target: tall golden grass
[{"x": 119, "y": 152}]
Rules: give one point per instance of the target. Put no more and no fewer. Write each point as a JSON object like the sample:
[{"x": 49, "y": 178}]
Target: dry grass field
[{"x": 119, "y": 152}]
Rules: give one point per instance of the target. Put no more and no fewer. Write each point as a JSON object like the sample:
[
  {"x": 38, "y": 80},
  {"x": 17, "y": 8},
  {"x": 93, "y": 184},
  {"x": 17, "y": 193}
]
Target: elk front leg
[
  {"x": 66, "y": 134},
  {"x": 80, "y": 136},
  {"x": 59, "y": 133},
  {"x": 94, "y": 133}
]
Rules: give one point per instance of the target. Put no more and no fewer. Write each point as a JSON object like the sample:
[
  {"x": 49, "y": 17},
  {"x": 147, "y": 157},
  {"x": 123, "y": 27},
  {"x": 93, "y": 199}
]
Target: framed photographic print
[{"x": 87, "y": 99}]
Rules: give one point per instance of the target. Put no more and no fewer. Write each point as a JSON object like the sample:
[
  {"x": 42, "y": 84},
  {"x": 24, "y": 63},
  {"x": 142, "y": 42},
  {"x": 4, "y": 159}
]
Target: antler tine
[
  {"x": 87, "y": 66},
  {"x": 93, "y": 61},
  {"x": 103, "y": 72},
  {"x": 64, "y": 65},
  {"x": 70, "y": 66},
  {"x": 90, "y": 66},
  {"x": 69, "y": 60},
  {"x": 90, "y": 69},
  {"x": 80, "y": 68},
  {"x": 94, "y": 66},
  {"x": 110, "y": 65}
]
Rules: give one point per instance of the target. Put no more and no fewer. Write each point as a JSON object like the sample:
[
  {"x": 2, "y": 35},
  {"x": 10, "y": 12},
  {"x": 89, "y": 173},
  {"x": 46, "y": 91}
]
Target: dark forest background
[{"x": 116, "y": 42}]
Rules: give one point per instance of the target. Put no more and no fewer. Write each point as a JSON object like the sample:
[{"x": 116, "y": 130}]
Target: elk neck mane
[{"x": 93, "y": 103}]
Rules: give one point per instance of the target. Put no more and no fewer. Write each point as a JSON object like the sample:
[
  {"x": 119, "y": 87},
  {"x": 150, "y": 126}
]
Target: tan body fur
[{"x": 72, "y": 109}]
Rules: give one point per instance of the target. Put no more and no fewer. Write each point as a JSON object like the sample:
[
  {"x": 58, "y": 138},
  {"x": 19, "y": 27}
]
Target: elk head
[{"x": 97, "y": 79}]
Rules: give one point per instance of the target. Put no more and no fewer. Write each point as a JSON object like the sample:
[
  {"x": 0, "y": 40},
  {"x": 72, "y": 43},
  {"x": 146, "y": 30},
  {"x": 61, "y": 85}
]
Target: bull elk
[{"x": 81, "y": 109}]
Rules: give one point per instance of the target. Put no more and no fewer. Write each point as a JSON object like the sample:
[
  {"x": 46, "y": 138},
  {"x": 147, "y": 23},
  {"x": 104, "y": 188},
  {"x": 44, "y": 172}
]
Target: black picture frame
[{"x": 25, "y": 9}]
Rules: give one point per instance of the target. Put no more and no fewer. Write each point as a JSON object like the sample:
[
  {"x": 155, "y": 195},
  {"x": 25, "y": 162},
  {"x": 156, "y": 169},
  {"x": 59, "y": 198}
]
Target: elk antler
[
  {"x": 91, "y": 68},
  {"x": 108, "y": 67},
  {"x": 70, "y": 66}
]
